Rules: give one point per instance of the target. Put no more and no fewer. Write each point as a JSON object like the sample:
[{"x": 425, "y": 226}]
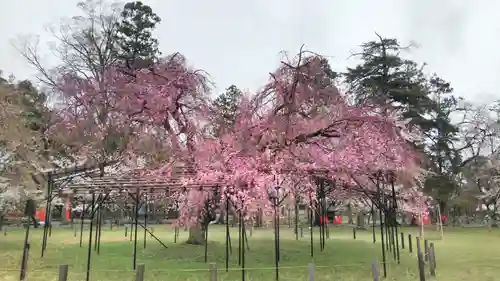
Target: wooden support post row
[
  {"x": 212, "y": 270},
  {"x": 63, "y": 272}
]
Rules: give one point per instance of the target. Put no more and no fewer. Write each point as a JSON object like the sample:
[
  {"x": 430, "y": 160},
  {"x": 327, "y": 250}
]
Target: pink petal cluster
[{"x": 297, "y": 128}]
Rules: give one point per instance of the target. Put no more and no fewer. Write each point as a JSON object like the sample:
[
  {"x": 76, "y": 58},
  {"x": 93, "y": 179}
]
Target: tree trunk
[
  {"x": 360, "y": 220},
  {"x": 2, "y": 219},
  {"x": 196, "y": 235},
  {"x": 349, "y": 214},
  {"x": 316, "y": 221},
  {"x": 63, "y": 214},
  {"x": 259, "y": 218},
  {"x": 222, "y": 216}
]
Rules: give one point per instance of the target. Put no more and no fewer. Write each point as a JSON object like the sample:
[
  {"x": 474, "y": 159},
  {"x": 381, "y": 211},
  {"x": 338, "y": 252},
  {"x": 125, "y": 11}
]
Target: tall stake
[
  {"x": 26, "y": 248},
  {"x": 387, "y": 223},
  {"x": 99, "y": 230},
  {"x": 395, "y": 206},
  {"x": 50, "y": 183},
  {"x": 278, "y": 227},
  {"x": 311, "y": 214},
  {"x": 243, "y": 238},
  {"x": 137, "y": 198},
  {"x": 276, "y": 237},
  {"x": 227, "y": 233},
  {"x": 373, "y": 224},
  {"x": 320, "y": 213},
  {"x": 380, "y": 200},
  {"x": 89, "y": 248},
  {"x": 324, "y": 210},
  {"x": 82, "y": 218},
  {"x": 296, "y": 209},
  {"x": 97, "y": 212},
  {"x": 146, "y": 209},
  {"x": 392, "y": 220},
  {"x": 239, "y": 238},
  {"x": 440, "y": 221},
  {"x": 206, "y": 223},
  {"x": 132, "y": 211}
]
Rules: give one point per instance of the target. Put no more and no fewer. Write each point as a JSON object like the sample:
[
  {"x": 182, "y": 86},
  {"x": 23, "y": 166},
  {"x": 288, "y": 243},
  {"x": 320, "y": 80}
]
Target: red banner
[
  {"x": 67, "y": 208},
  {"x": 323, "y": 220},
  {"x": 426, "y": 220},
  {"x": 41, "y": 214},
  {"x": 338, "y": 220}
]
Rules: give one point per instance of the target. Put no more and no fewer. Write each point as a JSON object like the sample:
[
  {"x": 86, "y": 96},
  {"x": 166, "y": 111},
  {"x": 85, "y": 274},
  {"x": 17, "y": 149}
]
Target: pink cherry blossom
[{"x": 286, "y": 135}]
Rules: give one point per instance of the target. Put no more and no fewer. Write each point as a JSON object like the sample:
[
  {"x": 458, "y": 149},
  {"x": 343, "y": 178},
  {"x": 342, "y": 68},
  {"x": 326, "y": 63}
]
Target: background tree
[
  {"x": 84, "y": 44},
  {"x": 11, "y": 199},
  {"x": 88, "y": 45},
  {"x": 441, "y": 137},
  {"x": 22, "y": 147},
  {"x": 225, "y": 107},
  {"x": 136, "y": 46},
  {"x": 385, "y": 78},
  {"x": 482, "y": 185}
]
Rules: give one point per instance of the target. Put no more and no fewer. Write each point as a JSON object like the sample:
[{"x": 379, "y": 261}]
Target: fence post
[
  {"x": 375, "y": 271},
  {"x": 433, "y": 254},
  {"x": 213, "y": 272},
  {"x": 421, "y": 265},
  {"x": 311, "y": 272},
  {"x": 426, "y": 250},
  {"x": 432, "y": 270},
  {"x": 354, "y": 233},
  {"x": 419, "y": 249},
  {"x": 63, "y": 272},
  {"x": 4, "y": 231},
  {"x": 402, "y": 240},
  {"x": 139, "y": 273},
  {"x": 410, "y": 244},
  {"x": 24, "y": 262}
]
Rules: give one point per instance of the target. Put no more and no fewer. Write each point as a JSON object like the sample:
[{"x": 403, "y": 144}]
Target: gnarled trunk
[
  {"x": 360, "y": 220},
  {"x": 2, "y": 220},
  {"x": 349, "y": 214},
  {"x": 196, "y": 235}
]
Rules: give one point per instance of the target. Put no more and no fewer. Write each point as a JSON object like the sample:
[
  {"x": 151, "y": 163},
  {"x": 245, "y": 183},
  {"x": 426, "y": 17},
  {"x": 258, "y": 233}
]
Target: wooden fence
[{"x": 426, "y": 259}]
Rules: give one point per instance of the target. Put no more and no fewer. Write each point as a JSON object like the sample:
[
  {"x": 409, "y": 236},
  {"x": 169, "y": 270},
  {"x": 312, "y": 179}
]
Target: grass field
[{"x": 463, "y": 254}]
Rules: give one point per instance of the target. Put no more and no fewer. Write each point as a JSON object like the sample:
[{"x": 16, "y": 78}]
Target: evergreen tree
[
  {"x": 225, "y": 106},
  {"x": 137, "y": 48},
  {"x": 386, "y": 79}
]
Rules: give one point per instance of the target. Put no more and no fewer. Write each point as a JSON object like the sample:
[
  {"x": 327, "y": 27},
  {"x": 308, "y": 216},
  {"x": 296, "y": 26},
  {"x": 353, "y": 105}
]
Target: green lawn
[{"x": 463, "y": 254}]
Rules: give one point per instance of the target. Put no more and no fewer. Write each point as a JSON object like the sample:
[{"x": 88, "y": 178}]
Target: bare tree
[
  {"x": 85, "y": 48},
  {"x": 21, "y": 148},
  {"x": 84, "y": 44},
  {"x": 483, "y": 173}
]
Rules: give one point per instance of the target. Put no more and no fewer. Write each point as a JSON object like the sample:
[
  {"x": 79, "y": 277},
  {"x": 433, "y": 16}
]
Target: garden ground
[{"x": 463, "y": 254}]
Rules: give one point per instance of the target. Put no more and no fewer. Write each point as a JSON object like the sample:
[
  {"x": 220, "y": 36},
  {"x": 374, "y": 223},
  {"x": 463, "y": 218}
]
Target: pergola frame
[
  {"x": 102, "y": 188},
  {"x": 54, "y": 180}
]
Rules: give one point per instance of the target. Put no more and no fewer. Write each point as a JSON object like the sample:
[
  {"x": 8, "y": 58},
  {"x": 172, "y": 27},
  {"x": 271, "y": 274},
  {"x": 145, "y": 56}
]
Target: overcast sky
[{"x": 239, "y": 42}]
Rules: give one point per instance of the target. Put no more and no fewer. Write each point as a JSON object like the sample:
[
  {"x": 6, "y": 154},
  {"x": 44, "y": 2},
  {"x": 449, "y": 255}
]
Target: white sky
[{"x": 239, "y": 42}]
